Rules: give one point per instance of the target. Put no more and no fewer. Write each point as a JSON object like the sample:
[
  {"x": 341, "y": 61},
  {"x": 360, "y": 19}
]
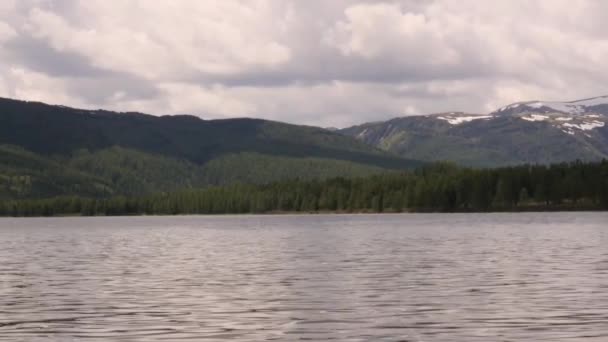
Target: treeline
[{"x": 436, "y": 188}]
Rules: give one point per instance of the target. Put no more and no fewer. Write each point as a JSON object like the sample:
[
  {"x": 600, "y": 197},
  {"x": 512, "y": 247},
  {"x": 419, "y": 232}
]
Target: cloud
[
  {"x": 218, "y": 38},
  {"x": 6, "y": 32},
  {"x": 316, "y": 62},
  {"x": 26, "y": 84}
]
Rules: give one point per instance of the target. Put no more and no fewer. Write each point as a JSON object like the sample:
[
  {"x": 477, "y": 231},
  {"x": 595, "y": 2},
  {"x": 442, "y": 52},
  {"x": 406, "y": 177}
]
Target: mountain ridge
[
  {"x": 523, "y": 132},
  {"x": 106, "y": 128}
]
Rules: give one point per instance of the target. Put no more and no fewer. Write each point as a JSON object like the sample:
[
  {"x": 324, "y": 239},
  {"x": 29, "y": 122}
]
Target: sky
[{"x": 317, "y": 62}]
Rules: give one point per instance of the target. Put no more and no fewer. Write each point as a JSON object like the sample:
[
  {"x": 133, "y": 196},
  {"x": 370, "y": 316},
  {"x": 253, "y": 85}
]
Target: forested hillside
[
  {"x": 49, "y": 151},
  {"x": 119, "y": 171},
  {"x": 442, "y": 188},
  {"x": 27, "y": 175}
]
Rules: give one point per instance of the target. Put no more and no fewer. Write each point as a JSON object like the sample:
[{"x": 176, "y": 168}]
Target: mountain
[
  {"x": 525, "y": 132},
  {"x": 51, "y": 150}
]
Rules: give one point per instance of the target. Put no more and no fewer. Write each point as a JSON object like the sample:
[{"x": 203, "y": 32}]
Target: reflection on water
[{"x": 461, "y": 277}]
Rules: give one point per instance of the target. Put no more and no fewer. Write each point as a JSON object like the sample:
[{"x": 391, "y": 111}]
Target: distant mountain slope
[
  {"x": 53, "y": 150},
  {"x": 527, "y": 132},
  {"x": 50, "y": 130}
]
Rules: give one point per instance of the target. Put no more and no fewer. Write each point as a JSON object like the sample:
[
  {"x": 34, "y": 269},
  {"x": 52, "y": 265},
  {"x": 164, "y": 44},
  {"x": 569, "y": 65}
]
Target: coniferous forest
[{"x": 434, "y": 188}]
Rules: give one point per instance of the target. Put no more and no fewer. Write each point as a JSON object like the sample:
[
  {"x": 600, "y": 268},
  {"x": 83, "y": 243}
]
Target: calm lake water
[{"x": 434, "y": 277}]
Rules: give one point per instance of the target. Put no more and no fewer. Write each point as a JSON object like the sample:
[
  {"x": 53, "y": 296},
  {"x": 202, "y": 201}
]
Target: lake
[{"x": 410, "y": 277}]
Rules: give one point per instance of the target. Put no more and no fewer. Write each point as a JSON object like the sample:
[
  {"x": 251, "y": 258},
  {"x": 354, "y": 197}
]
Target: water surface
[{"x": 434, "y": 277}]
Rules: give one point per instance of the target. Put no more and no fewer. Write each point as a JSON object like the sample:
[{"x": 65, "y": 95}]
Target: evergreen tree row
[{"x": 436, "y": 188}]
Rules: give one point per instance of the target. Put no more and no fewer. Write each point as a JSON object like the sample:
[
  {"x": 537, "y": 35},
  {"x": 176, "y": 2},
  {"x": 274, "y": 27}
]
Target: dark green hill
[
  {"x": 62, "y": 151},
  {"x": 57, "y": 130}
]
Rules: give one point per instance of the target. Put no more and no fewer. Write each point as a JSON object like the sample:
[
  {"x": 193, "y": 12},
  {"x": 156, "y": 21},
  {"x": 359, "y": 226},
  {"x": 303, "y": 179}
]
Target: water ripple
[{"x": 463, "y": 277}]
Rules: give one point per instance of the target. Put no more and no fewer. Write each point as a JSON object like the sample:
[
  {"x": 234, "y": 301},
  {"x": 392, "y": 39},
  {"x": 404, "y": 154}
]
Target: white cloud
[
  {"x": 214, "y": 102},
  {"x": 4, "y": 88},
  {"x": 27, "y": 85},
  {"x": 166, "y": 38},
  {"x": 6, "y": 32},
  {"x": 316, "y": 62},
  {"x": 376, "y": 30},
  {"x": 7, "y": 6}
]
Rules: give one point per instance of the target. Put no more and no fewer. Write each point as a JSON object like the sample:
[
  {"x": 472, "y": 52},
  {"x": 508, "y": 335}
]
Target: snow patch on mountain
[
  {"x": 458, "y": 118},
  {"x": 535, "y": 117},
  {"x": 362, "y": 134},
  {"x": 568, "y": 125},
  {"x": 568, "y": 131},
  {"x": 585, "y": 126}
]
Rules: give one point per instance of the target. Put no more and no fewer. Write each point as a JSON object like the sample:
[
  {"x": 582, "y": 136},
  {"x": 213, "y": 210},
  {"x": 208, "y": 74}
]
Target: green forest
[
  {"x": 439, "y": 187},
  {"x": 119, "y": 171}
]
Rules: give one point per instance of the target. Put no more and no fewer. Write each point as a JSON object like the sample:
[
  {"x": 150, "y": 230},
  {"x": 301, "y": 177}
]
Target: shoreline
[{"x": 331, "y": 213}]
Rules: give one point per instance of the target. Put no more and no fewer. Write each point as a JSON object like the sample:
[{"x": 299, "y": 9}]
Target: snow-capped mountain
[
  {"x": 571, "y": 117},
  {"x": 524, "y": 132},
  {"x": 593, "y": 104}
]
